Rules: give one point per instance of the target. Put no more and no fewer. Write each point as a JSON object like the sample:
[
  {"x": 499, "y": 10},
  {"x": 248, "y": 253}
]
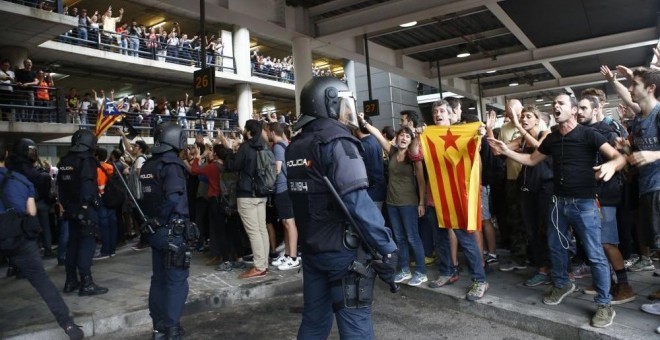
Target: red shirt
[{"x": 212, "y": 172}]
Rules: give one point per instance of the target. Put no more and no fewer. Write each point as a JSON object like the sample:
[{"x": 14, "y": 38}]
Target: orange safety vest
[{"x": 42, "y": 91}]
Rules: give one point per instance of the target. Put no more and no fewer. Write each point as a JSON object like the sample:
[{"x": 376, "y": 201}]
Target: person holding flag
[{"x": 453, "y": 164}]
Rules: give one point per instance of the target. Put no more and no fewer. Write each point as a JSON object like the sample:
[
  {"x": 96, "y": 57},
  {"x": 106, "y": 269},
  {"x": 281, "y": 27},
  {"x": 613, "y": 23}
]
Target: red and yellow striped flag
[
  {"x": 451, "y": 154},
  {"x": 108, "y": 115}
]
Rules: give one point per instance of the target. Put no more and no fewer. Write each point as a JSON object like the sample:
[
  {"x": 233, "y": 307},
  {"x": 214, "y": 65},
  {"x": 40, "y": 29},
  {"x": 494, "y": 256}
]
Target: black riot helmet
[
  {"x": 168, "y": 136},
  {"x": 83, "y": 140},
  {"x": 326, "y": 97},
  {"x": 26, "y": 149}
]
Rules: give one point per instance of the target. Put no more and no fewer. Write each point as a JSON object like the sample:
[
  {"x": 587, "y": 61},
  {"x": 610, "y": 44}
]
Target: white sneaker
[
  {"x": 289, "y": 263},
  {"x": 652, "y": 308},
  {"x": 279, "y": 260}
]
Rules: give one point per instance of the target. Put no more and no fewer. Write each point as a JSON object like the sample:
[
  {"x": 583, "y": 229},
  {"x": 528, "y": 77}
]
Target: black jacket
[{"x": 244, "y": 163}]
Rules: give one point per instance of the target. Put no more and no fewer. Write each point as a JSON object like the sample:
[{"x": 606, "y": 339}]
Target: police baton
[
  {"x": 394, "y": 287},
  {"x": 130, "y": 194}
]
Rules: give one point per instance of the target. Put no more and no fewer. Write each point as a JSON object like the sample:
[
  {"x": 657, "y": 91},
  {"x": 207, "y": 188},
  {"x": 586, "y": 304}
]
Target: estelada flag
[
  {"x": 451, "y": 154},
  {"x": 108, "y": 115}
]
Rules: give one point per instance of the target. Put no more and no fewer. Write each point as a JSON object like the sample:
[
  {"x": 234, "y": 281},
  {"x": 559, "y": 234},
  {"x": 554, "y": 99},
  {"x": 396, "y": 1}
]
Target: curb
[
  {"x": 200, "y": 301},
  {"x": 542, "y": 321}
]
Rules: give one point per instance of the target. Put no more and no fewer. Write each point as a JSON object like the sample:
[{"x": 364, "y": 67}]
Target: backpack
[
  {"x": 263, "y": 181},
  {"x": 114, "y": 193}
]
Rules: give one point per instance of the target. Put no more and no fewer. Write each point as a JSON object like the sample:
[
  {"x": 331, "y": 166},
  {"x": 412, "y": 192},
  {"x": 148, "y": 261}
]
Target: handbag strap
[{"x": 3, "y": 197}]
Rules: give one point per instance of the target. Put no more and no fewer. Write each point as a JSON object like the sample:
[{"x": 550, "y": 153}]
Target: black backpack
[
  {"x": 263, "y": 181},
  {"x": 114, "y": 193}
]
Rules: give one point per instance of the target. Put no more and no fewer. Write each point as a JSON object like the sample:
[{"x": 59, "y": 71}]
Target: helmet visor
[
  {"x": 347, "y": 110},
  {"x": 33, "y": 153}
]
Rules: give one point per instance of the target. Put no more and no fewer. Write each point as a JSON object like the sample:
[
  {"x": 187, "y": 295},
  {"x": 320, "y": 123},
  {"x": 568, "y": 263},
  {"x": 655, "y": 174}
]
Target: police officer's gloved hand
[
  {"x": 149, "y": 226},
  {"x": 386, "y": 268}
]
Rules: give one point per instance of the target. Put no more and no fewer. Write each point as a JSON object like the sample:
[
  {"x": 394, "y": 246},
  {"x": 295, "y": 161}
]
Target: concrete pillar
[
  {"x": 227, "y": 51},
  {"x": 244, "y": 103},
  {"x": 15, "y": 54},
  {"x": 242, "y": 51},
  {"x": 302, "y": 65},
  {"x": 349, "y": 74}
]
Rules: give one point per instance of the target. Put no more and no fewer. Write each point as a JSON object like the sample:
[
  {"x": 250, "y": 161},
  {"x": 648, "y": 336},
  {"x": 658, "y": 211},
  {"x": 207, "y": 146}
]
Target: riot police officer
[
  {"x": 78, "y": 195},
  {"x": 22, "y": 160},
  {"x": 164, "y": 203},
  {"x": 325, "y": 147}
]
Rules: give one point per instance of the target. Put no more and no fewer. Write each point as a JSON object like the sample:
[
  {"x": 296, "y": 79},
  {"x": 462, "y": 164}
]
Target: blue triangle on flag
[{"x": 109, "y": 109}]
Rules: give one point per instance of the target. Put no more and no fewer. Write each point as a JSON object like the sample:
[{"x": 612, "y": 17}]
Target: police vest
[
  {"x": 151, "y": 180},
  {"x": 69, "y": 177},
  {"x": 320, "y": 222}
]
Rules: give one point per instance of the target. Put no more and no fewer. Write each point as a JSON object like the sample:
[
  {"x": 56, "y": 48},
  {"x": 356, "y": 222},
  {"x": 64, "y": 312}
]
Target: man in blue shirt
[{"x": 19, "y": 193}]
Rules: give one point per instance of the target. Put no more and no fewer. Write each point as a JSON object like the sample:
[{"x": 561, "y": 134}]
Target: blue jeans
[
  {"x": 443, "y": 250},
  {"x": 134, "y": 46},
  {"x": 108, "y": 229},
  {"x": 320, "y": 271},
  {"x": 28, "y": 259},
  {"x": 582, "y": 215},
  {"x": 169, "y": 286},
  {"x": 82, "y": 35},
  {"x": 404, "y": 220}
]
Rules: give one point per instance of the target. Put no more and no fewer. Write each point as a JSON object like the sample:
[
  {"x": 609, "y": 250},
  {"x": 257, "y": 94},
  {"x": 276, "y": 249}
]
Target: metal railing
[
  {"x": 25, "y": 105},
  {"x": 144, "y": 48}
]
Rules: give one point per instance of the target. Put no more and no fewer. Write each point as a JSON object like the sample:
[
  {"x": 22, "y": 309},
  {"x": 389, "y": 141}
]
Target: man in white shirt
[{"x": 7, "y": 78}]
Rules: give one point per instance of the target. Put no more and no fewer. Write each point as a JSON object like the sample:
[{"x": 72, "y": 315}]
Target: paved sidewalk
[
  {"x": 25, "y": 316},
  {"x": 127, "y": 275}
]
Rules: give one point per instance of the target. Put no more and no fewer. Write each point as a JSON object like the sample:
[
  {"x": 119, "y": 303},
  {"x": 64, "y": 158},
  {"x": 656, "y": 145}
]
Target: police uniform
[
  {"x": 27, "y": 257},
  {"x": 164, "y": 202},
  {"x": 325, "y": 147},
  {"x": 79, "y": 195}
]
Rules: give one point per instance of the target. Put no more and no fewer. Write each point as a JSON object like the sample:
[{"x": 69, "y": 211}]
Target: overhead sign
[
  {"x": 371, "y": 107},
  {"x": 204, "y": 82}
]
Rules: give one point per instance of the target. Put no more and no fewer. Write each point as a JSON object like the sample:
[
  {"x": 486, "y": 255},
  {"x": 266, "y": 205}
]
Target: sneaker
[
  {"x": 538, "y": 279},
  {"x": 654, "y": 296},
  {"x": 224, "y": 267},
  {"x": 604, "y": 316},
  {"x": 418, "y": 279},
  {"x": 591, "y": 290},
  {"x": 622, "y": 293},
  {"x": 290, "y": 263},
  {"x": 428, "y": 260},
  {"x": 555, "y": 296},
  {"x": 238, "y": 265},
  {"x": 510, "y": 266},
  {"x": 491, "y": 258},
  {"x": 657, "y": 330},
  {"x": 248, "y": 258},
  {"x": 477, "y": 291},
  {"x": 100, "y": 257},
  {"x": 629, "y": 262},
  {"x": 402, "y": 276},
  {"x": 656, "y": 272},
  {"x": 140, "y": 246},
  {"x": 643, "y": 264},
  {"x": 582, "y": 271},
  {"x": 652, "y": 308},
  {"x": 278, "y": 261}
]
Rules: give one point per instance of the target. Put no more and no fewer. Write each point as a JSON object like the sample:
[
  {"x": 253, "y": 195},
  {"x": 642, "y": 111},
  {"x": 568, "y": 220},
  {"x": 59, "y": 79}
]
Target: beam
[
  {"x": 572, "y": 50},
  {"x": 455, "y": 41},
  {"x": 527, "y": 90},
  {"x": 331, "y": 6},
  {"x": 390, "y": 14}
]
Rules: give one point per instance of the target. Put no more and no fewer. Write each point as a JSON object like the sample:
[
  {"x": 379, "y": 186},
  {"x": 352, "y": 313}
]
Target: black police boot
[
  {"x": 71, "y": 283},
  {"x": 174, "y": 333},
  {"x": 11, "y": 271},
  {"x": 89, "y": 288},
  {"x": 158, "y": 335},
  {"x": 74, "y": 332}
]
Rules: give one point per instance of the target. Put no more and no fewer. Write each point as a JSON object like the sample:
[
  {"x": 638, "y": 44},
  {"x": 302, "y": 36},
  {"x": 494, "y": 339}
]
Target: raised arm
[
  {"x": 620, "y": 89},
  {"x": 523, "y": 158}
]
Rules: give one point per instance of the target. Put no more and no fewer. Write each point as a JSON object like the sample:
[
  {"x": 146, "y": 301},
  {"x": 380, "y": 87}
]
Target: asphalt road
[{"x": 395, "y": 317}]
